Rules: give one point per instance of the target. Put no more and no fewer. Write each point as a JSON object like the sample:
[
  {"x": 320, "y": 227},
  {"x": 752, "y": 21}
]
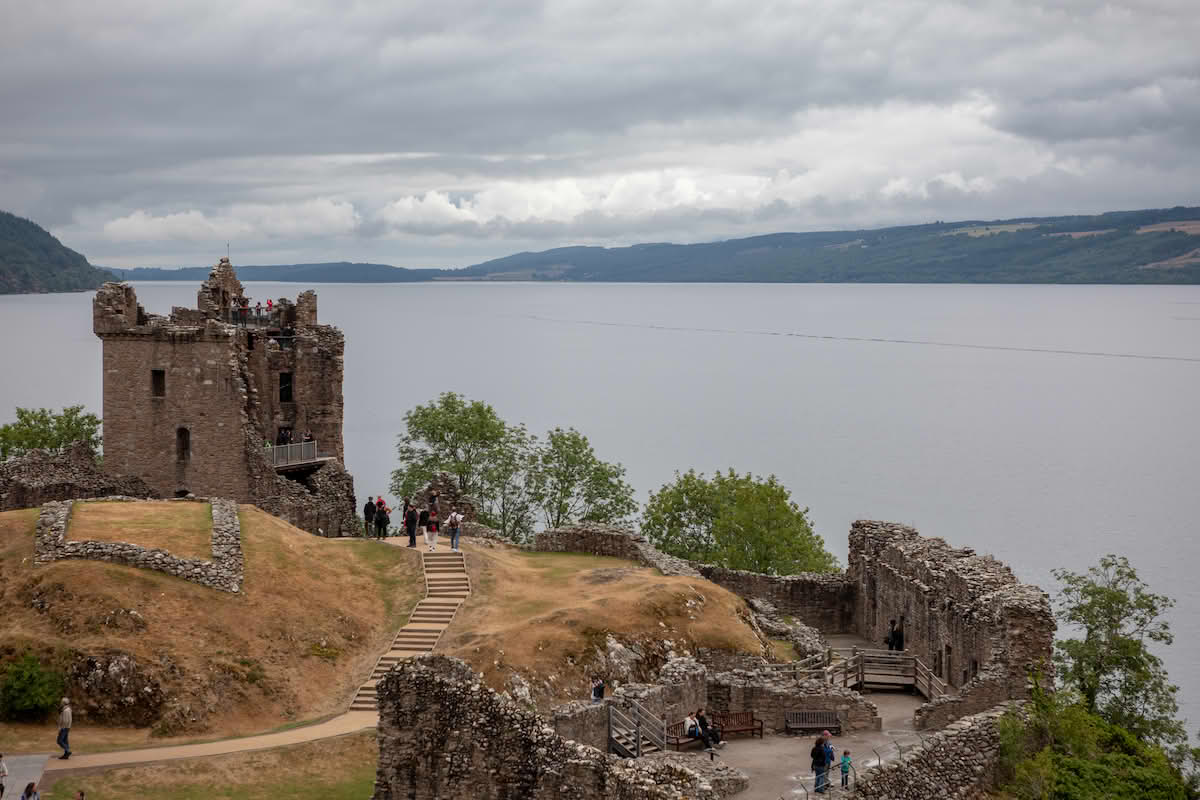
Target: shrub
[{"x": 30, "y": 692}]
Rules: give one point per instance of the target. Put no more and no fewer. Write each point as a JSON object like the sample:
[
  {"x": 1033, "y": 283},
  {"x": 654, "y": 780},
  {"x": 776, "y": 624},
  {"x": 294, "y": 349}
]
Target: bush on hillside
[{"x": 29, "y": 692}]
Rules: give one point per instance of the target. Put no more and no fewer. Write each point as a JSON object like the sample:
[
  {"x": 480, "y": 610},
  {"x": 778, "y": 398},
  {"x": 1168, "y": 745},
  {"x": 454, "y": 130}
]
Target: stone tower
[{"x": 192, "y": 400}]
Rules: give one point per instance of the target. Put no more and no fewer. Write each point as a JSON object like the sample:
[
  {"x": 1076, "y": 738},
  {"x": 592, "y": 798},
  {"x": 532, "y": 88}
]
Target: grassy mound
[
  {"x": 549, "y": 617},
  {"x": 185, "y": 529},
  {"x": 312, "y": 617}
]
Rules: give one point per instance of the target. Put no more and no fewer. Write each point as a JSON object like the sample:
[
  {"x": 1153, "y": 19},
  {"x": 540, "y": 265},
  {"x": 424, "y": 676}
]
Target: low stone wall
[
  {"x": 444, "y": 736},
  {"x": 768, "y": 695},
  {"x": 819, "y": 600},
  {"x": 609, "y": 540},
  {"x": 806, "y": 640},
  {"x": 582, "y": 722},
  {"x": 225, "y": 571},
  {"x": 958, "y": 761},
  {"x": 987, "y": 690},
  {"x": 41, "y": 477}
]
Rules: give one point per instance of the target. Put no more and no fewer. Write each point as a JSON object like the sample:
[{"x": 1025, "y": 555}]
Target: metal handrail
[
  {"x": 652, "y": 726},
  {"x": 297, "y": 453}
]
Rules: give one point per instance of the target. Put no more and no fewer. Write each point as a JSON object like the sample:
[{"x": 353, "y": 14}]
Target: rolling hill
[
  {"x": 1147, "y": 246},
  {"x": 31, "y": 260}
]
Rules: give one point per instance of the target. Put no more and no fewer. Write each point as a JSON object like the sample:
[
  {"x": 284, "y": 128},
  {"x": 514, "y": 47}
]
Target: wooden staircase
[{"x": 446, "y": 586}]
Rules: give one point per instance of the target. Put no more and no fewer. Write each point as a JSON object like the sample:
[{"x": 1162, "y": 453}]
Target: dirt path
[{"x": 446, "y": 584}]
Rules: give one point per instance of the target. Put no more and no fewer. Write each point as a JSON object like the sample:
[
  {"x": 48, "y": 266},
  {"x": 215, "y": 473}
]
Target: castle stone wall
[
  {"x": 609, "y": 540},
  {"x": 962, "y": 614},
  {"x": 40, "y": 477},
  {"x": 819, "y": 600},
  {"x": 444, "y": 736},
  {"x": 959, "y": 761},
  {"x": 769, "y": 695}
]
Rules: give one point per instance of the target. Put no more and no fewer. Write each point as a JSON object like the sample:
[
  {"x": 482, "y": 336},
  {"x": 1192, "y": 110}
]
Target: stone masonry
[
  {"x": 192, "y": 399},
  {"x": 444, "y": 736},
  {"x": 225, "y": 571},
  {"x": 609, "y": 540},
  {"x": 40, "y": 476},
  {"x": 956, "y": 762},
  {"x": 769, "y": 694}
]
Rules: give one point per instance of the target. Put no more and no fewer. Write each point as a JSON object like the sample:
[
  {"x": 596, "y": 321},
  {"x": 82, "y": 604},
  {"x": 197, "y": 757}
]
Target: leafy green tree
[
  {"x": 507, "y": 497},
  {"x": 735, "y": 521},
  {"x": 1057, "y": 748},
  {"x": 1111, "y": 666},
  {"x": 29, "y": 691},
  {"x": 569, "y": 483},
  {"x": 42, "y": 428},
  {"x": 451, "y": 434}
]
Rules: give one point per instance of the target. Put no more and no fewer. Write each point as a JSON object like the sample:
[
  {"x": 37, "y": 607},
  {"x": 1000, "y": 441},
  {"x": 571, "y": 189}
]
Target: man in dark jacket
[
  {"x": 382, "y": 520},
  {"x": 410, "y": 525},
  {"x": 369, "y": 515}
]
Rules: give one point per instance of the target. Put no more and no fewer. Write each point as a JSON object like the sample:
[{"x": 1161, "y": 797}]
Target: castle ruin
[{"x": 216, "y": 401}]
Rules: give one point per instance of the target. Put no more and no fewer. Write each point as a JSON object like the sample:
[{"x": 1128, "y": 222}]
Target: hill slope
[
  {"x": 556, "y": 619},
  {"x": 31, "y": 260},
  {"x": 312, "y": 618},
  {"x": 1148, "y": 246}
]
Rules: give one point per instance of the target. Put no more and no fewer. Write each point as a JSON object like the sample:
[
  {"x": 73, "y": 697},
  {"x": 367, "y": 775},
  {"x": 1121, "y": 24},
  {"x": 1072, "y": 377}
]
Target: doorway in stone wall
[{"x": 949, "y": 665}]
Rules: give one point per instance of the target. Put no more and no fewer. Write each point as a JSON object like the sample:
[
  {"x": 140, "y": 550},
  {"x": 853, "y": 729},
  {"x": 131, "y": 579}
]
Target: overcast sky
[{"x": 441, "y": 134}]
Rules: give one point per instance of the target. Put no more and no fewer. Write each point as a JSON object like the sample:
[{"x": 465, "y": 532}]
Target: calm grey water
[{"x": 1044, "y": 424}]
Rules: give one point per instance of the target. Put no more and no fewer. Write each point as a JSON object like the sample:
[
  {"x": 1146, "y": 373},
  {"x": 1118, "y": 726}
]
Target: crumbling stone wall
[
  {"x": 40, "y": 477},
  {"x": 958, "y": 761},
  {"x": 609, "y": 540},
  {"x": 191, "y": 400},
  {"x": 768, "y": 695},
  {"x": 225, "y": 571},
  {"x": 819, "y": 600},
  {"x": 963, "y": 614},
  {"x": 582, "y": 722},
  {"x": 443, "y": 735}
]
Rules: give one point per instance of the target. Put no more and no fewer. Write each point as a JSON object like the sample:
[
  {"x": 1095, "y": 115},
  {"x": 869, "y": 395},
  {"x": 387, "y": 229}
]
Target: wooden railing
[{"x": 926, "y": 682}]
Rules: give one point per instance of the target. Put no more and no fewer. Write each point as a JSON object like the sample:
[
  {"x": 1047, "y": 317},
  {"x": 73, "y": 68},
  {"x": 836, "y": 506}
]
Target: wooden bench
[
  {"x": 738, "y": 722},
  {"x": 679, "y": 738},
  {"x": 801, "y": 721}
]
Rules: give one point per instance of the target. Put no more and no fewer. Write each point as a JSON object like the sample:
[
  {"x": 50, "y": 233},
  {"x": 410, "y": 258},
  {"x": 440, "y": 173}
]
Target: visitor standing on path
[
  {"x": 890, "y": 638},
  {"x": 830, "y": 755},
  {"x": 455, "y": 521},
  {"x": 410, "y": 524},
  {"x": 31, "y": 792},
  {"x": 597, "y": 689},
  {"x": 434, "y": 525},
  {"x": 382, "y": 520},
  {"x": 64, "y": 729},
  {"x": 846, "y": 769},
  {"x": 423, "y": 527},
  {"x": 369, "y": 515},
  {"x": 817, "y": 754},
  {"x": 3, "y": 774}
]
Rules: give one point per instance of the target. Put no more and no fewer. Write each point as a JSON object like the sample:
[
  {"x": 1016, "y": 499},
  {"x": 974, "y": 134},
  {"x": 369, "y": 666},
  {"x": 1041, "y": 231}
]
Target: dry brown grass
[
  {"x": 544, "y": 614},
  {"x": 1191, "y": 226},
  {"x": 312, "y": 618},
  {"x": 183, "y": 529},
  {"x": 332, "y": 769}
]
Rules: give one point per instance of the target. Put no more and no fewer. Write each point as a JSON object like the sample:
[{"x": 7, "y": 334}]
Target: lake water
[{"x": 1046, "y": 425}]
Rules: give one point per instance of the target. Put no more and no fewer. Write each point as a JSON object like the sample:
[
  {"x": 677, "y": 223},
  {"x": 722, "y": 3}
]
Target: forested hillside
[
  {"x": 1149, "y": 246},
  {"x": 31, "y": 260}
]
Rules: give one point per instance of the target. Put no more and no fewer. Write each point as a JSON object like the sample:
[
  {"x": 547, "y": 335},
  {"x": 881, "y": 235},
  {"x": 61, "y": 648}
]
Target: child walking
[{"x": 845, "y": 769}]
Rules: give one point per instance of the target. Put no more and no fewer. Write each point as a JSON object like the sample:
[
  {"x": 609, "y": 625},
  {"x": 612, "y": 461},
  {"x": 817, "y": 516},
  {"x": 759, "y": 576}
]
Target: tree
[
  {"x": 1112, "y": 667},
  {"x": 569, "y": 483},
  {"x": 507, "y": 500},
  {"x": 29, "y": 691},
  {"x": 451, "y": 435},
  {"x": 735, "y": 521},
  {"x": 42, "y": 428}
]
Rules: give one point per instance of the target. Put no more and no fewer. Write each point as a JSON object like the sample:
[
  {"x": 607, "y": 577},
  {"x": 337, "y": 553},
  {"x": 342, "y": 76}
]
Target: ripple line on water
[{"x": 884, "y": 340}]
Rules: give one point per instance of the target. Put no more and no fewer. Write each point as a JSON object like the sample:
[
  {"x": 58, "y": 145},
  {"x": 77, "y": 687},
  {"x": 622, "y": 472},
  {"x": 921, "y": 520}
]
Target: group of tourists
[
  {"x": 823, "y": 756},
  {"x": 894, "y": 639},
  {"x": 698, "y": 726},
  {"x": 243, "y": 312},
  {"x": 424, "y": 520}
]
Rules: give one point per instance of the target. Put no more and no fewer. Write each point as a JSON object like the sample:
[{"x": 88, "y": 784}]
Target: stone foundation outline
[{"x": 224, "y": 572}]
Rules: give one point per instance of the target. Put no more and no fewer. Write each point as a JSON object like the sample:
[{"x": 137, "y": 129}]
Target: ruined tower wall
[
  {"x": 965, "y": 616},
  {"x": 199, "y": 395}
]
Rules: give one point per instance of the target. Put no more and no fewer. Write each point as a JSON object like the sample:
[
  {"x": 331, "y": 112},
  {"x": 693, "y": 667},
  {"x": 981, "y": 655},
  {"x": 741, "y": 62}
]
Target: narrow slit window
[
  {"x": 183, "y": 444},
  {"x": 158, "y": 383},
  {"x": 285, "y": 387}
]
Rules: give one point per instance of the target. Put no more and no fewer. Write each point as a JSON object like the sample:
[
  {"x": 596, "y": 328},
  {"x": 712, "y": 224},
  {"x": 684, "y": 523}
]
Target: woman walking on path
[{"x": 455, "y": 522}]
